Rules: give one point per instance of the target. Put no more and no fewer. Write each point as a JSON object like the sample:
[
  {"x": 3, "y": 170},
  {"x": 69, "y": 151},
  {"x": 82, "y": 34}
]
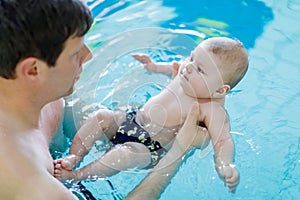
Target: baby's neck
[
  {"x": 212, "y": 100},
  {"x": 176, "y": 88}
]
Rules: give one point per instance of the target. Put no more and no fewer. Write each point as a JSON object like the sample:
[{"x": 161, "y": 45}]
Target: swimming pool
[{"x": 263, "y": 108}]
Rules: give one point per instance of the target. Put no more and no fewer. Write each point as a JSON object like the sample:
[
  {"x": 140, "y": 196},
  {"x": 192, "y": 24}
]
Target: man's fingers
[
  {"x": 202, "y": 138},
  {"x": 188, "y": 131},
  {"x": 192, "y": 117}
]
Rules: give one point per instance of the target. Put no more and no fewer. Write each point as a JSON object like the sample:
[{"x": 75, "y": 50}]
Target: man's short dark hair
[{"x": 38, "y": 28}]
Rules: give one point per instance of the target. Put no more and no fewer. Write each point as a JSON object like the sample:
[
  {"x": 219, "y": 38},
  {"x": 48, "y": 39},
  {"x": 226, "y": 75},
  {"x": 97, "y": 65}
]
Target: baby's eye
[{"x": 199, "y": 70}]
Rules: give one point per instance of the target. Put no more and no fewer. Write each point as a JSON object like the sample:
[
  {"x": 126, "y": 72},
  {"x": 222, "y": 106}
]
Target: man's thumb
[{"x": 192, "y": 117}]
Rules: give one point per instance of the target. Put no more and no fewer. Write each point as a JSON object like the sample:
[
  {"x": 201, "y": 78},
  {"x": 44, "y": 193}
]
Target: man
[{"x": 41, "y": 57}]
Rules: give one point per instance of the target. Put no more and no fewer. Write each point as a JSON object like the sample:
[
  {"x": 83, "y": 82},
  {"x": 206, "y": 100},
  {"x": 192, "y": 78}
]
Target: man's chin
[{"x": 70, "y": 92}]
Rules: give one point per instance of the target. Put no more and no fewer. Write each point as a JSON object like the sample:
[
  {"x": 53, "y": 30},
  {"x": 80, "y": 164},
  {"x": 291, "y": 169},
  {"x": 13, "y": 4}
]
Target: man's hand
[
  {"x": 192, "y": 135},
  {"x": 159, "y": 178}
]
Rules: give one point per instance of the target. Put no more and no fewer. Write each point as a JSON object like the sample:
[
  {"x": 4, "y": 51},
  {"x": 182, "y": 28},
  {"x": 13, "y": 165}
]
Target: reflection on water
[
  {"x": 238, "y": 18},
  {"x": 264, "y": 107},
  {"x": 293, "y": 5},
  {"x": 244, "y": 20}
]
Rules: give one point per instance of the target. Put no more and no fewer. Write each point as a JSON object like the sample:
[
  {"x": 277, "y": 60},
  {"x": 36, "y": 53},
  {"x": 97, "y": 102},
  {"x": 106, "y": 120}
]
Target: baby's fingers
[
  {"x": 231, "y": 186},
  {"x": 175, "y": 67},
  {"x": 142, "y": 58},
  {"x": 233, "y": 181}
]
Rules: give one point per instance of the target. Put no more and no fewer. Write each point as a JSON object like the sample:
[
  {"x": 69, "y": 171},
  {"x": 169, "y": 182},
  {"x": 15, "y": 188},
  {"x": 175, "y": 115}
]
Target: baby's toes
[
  {"x": 67, "y": 165},
  {"x": 57, "y": 173}
]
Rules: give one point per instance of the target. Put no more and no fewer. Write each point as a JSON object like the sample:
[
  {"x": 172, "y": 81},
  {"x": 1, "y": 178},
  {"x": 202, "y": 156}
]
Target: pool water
[{"x": 263, "y": 107}]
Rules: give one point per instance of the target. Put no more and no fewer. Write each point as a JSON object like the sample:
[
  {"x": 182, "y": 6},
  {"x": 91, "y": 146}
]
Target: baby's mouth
[{"x": 183, "y": 76}]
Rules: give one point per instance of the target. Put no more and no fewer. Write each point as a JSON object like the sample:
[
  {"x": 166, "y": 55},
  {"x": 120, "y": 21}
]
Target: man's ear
[
  {"x": 28, "y": 68},
  {"x": 223, "y": 91}
]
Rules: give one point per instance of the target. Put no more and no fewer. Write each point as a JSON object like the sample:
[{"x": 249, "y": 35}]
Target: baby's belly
[{"x": 163, "y": 134}]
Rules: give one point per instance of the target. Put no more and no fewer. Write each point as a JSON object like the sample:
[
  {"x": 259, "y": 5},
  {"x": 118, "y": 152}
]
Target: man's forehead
[{"x": 74, "y": 42}]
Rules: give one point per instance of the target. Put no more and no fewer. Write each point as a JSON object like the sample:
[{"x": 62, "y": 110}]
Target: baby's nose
[{"x": 188, "y": 68}]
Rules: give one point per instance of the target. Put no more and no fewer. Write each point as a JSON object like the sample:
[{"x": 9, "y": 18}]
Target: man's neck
[{"x": 19, "y": 111}]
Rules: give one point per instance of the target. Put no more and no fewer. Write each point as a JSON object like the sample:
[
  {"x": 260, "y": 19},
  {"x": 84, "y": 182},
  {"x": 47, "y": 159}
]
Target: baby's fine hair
[
  {"x": 38, "y": 28},
  {"x": 233, "y": 56}
]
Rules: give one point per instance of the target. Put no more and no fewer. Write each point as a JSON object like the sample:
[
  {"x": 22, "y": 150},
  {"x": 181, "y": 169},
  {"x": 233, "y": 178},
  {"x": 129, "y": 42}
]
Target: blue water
[{"x": 263, "y": 108}]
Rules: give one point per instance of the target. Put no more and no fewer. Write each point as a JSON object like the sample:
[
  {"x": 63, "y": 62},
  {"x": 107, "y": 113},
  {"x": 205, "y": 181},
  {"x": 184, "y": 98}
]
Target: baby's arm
[
  {"x": 162, "y": 67},
  {"x": 218, "y": 127}
]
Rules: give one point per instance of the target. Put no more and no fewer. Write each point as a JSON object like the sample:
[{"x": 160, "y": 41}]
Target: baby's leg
[
  {"x": 121, "y": 157},
  {"x": 84, "y": 139}
]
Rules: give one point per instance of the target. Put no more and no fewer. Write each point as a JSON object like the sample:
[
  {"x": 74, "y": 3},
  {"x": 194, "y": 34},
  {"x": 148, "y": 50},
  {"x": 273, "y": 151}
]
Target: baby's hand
[
  {"x": 230, "y": 175},
  {"x": 175, "y": 68},
  {"x": 149, "y": 65}
]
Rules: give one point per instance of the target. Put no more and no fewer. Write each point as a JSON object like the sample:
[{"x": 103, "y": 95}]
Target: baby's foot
[
  {"x": 63, "y": 174},
  {"x": 68, "y": 162}
]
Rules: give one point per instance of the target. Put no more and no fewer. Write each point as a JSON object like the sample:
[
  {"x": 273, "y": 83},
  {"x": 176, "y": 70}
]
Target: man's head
[{"x": 38, "y": 28}]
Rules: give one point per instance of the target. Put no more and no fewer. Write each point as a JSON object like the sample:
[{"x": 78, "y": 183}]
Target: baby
[{"x": 142, "y": 136}]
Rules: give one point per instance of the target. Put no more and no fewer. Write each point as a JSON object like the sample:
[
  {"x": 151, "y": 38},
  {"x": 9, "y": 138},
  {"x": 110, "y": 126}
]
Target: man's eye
[{"x": 76, "y": 55}]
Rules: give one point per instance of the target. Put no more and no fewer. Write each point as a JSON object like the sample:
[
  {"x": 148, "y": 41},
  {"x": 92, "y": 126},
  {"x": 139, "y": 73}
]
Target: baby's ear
[{"x": 223, "y": 91}]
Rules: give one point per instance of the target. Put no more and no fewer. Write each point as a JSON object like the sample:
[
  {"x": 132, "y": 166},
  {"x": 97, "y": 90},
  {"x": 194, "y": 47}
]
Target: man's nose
[{"x": 86, "y": 54}]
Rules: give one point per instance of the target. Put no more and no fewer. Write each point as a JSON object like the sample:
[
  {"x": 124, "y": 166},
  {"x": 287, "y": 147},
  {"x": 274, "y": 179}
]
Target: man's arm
[
  {"x": 156, "y": 181},
  {"x": 50, "y": 188}
]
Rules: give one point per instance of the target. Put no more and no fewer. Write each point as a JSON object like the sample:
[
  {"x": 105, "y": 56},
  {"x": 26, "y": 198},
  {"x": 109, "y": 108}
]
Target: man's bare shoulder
[
  {"x": 13, "y": 186},
  {"x": 24, "y": 171},
  {"x": 34, "y": 184}
]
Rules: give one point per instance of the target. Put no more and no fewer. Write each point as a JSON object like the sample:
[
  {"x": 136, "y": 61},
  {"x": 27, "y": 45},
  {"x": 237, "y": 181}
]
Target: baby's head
[
  {"x": 213, "y": 68},
  {"x": 229, "y": 56}
]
